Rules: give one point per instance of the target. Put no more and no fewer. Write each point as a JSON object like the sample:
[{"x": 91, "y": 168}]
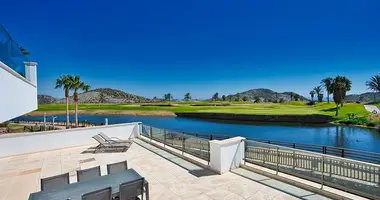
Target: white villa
[{"x": 174, "y": 165}]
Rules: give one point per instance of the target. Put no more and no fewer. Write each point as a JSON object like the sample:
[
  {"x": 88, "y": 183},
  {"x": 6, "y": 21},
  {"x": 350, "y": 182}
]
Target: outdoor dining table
[{"x": 74, "y": 191}]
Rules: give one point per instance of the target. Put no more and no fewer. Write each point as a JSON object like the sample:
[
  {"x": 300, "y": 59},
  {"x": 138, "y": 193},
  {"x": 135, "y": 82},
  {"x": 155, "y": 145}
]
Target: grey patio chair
[
  {"x": 55, "y": 181},
  {"x": 117, "y": 167},
  {"x": 105, "y": 144},
  {"x": 113, "y": 139},
  {"x": 130, "y": 190},
  {"x": 88, "y": 174},
  {"x": 102, "y": 194}
]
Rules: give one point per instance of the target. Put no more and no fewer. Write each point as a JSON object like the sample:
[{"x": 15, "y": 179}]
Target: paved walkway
[{"x": 372, "y": 108}]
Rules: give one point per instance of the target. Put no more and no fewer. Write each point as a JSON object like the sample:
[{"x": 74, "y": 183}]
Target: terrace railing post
[
  {"x": 277, "y": 160},
  {"x": 183, "y": 142},
  {"x": 330, "y": 167},
  {"x": 294, "y": 159},
  {"x": 200, "y": 145},
  {"x": 211, "y": 137},
  {"x": 294, "y": 145},
  {"x": 245, "y": 150},
  {"x": 172, "y": 137},
  {"x": 208, "y": 149},
  {"x": 322, "y": 170},
  {"x": 378, "y": 176},
  {"x": 342, "y": 153},
  {"x": 150, "y": 132},
  {"x": 164, "y": 138},
  {"x": 324, "y": 149}
]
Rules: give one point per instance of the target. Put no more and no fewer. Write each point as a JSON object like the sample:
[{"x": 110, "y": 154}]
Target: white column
[
  {"x": 31, "y": 72},
  {"x": 136, "y": 130},
  {"x": 226, "y": 154}
]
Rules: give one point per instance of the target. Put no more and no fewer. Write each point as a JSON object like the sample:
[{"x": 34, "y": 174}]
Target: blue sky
[{"x": 150, "y": 48}]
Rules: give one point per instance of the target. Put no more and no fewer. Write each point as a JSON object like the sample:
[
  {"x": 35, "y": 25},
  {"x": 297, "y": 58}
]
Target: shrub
[
  {"x": 371, "y": 124},
  {"x": 281, "y": 100},
  {"x": 310, "y": 103},
  {"x": 5, "y": 124},
  {"x": 357, "y": 121}
]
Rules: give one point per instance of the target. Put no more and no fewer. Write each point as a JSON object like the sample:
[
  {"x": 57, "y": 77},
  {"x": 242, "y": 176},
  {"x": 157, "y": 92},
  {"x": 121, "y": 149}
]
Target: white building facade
[{"x": 18, "y": 80}]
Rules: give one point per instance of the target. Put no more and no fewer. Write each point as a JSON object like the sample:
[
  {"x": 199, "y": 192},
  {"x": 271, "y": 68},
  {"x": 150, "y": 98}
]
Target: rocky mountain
[
  {"x": 105, "y": 95},
  {"x": 363, "y": 98},
  {"x": 266, "y": 95},
  {"x": 45, "y": 99}
]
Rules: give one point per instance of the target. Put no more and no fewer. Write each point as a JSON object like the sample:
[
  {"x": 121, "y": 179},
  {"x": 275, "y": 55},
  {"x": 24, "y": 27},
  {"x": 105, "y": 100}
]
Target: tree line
[
  {"x": 338, "y": 87},
  {"x": 238, "y": 97}
]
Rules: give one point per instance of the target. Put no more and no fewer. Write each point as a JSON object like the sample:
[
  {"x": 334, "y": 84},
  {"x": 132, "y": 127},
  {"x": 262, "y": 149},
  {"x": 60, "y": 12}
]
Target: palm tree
[
  {"x": 338, "y": 93},
  {"x": 215, "y": 97},
  {"x": 327, "y": 83},
  {"x": 238, "y": 96},
  {"x": 168, "y": 97},
  {"x": 24, "y": 51},
  {"x": 320, "y": 97},
  {"x": 374, "y": 84},
  {"x": 312, "y": 93},
  {"x": 223, "y": 97},
  {"x": 318, "y": 91},
  {"x": 346, "y": 83},
  {"x": 187, "y": 97},
  {"x": 76, "y": 85},
  {"x": 65, "y": 83},
  {"x": 296, "y": 97}
]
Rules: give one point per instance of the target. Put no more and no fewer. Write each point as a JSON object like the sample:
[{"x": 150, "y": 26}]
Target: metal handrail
[
  {"x": 358, "y": 177},
  {"x": 366, "y": 156},
  {"x": 181, "y": 141}
]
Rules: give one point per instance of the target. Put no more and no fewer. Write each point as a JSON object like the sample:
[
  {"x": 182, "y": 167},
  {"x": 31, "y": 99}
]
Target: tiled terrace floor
[{"x": 169, "y": 177}]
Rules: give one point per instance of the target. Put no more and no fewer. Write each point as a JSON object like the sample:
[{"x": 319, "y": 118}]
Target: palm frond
[{"x": 374, "y": 83}]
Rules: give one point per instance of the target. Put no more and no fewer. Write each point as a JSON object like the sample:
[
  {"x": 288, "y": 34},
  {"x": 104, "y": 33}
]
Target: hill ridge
[
  {"x": 98, "y": 95},
  {"x": 267, "y": 95}
]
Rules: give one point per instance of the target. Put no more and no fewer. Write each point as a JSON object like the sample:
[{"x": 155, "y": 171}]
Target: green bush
[
  {"x": 5, "y": 124},
  {"x": 351, "y": 115},
  {"x": 357, "y": 121},
  {"x": 371, "y": 124}
]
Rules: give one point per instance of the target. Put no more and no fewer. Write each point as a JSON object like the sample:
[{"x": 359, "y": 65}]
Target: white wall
[
  {"x": 18, "y": 95},
  {"x": 13, "y": 144},
  {"x": 226, "y": 154}
]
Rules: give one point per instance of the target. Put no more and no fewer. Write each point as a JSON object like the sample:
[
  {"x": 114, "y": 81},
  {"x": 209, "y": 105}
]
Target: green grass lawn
[{"x": 289, "y": 108}]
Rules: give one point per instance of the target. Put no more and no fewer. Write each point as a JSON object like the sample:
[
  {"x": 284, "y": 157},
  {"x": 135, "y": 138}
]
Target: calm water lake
[{"x": 340, "y": 136}]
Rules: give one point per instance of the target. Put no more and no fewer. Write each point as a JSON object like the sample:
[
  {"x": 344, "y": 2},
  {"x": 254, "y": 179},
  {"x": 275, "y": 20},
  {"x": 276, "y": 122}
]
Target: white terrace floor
[{"x": 169, "y": 177}]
